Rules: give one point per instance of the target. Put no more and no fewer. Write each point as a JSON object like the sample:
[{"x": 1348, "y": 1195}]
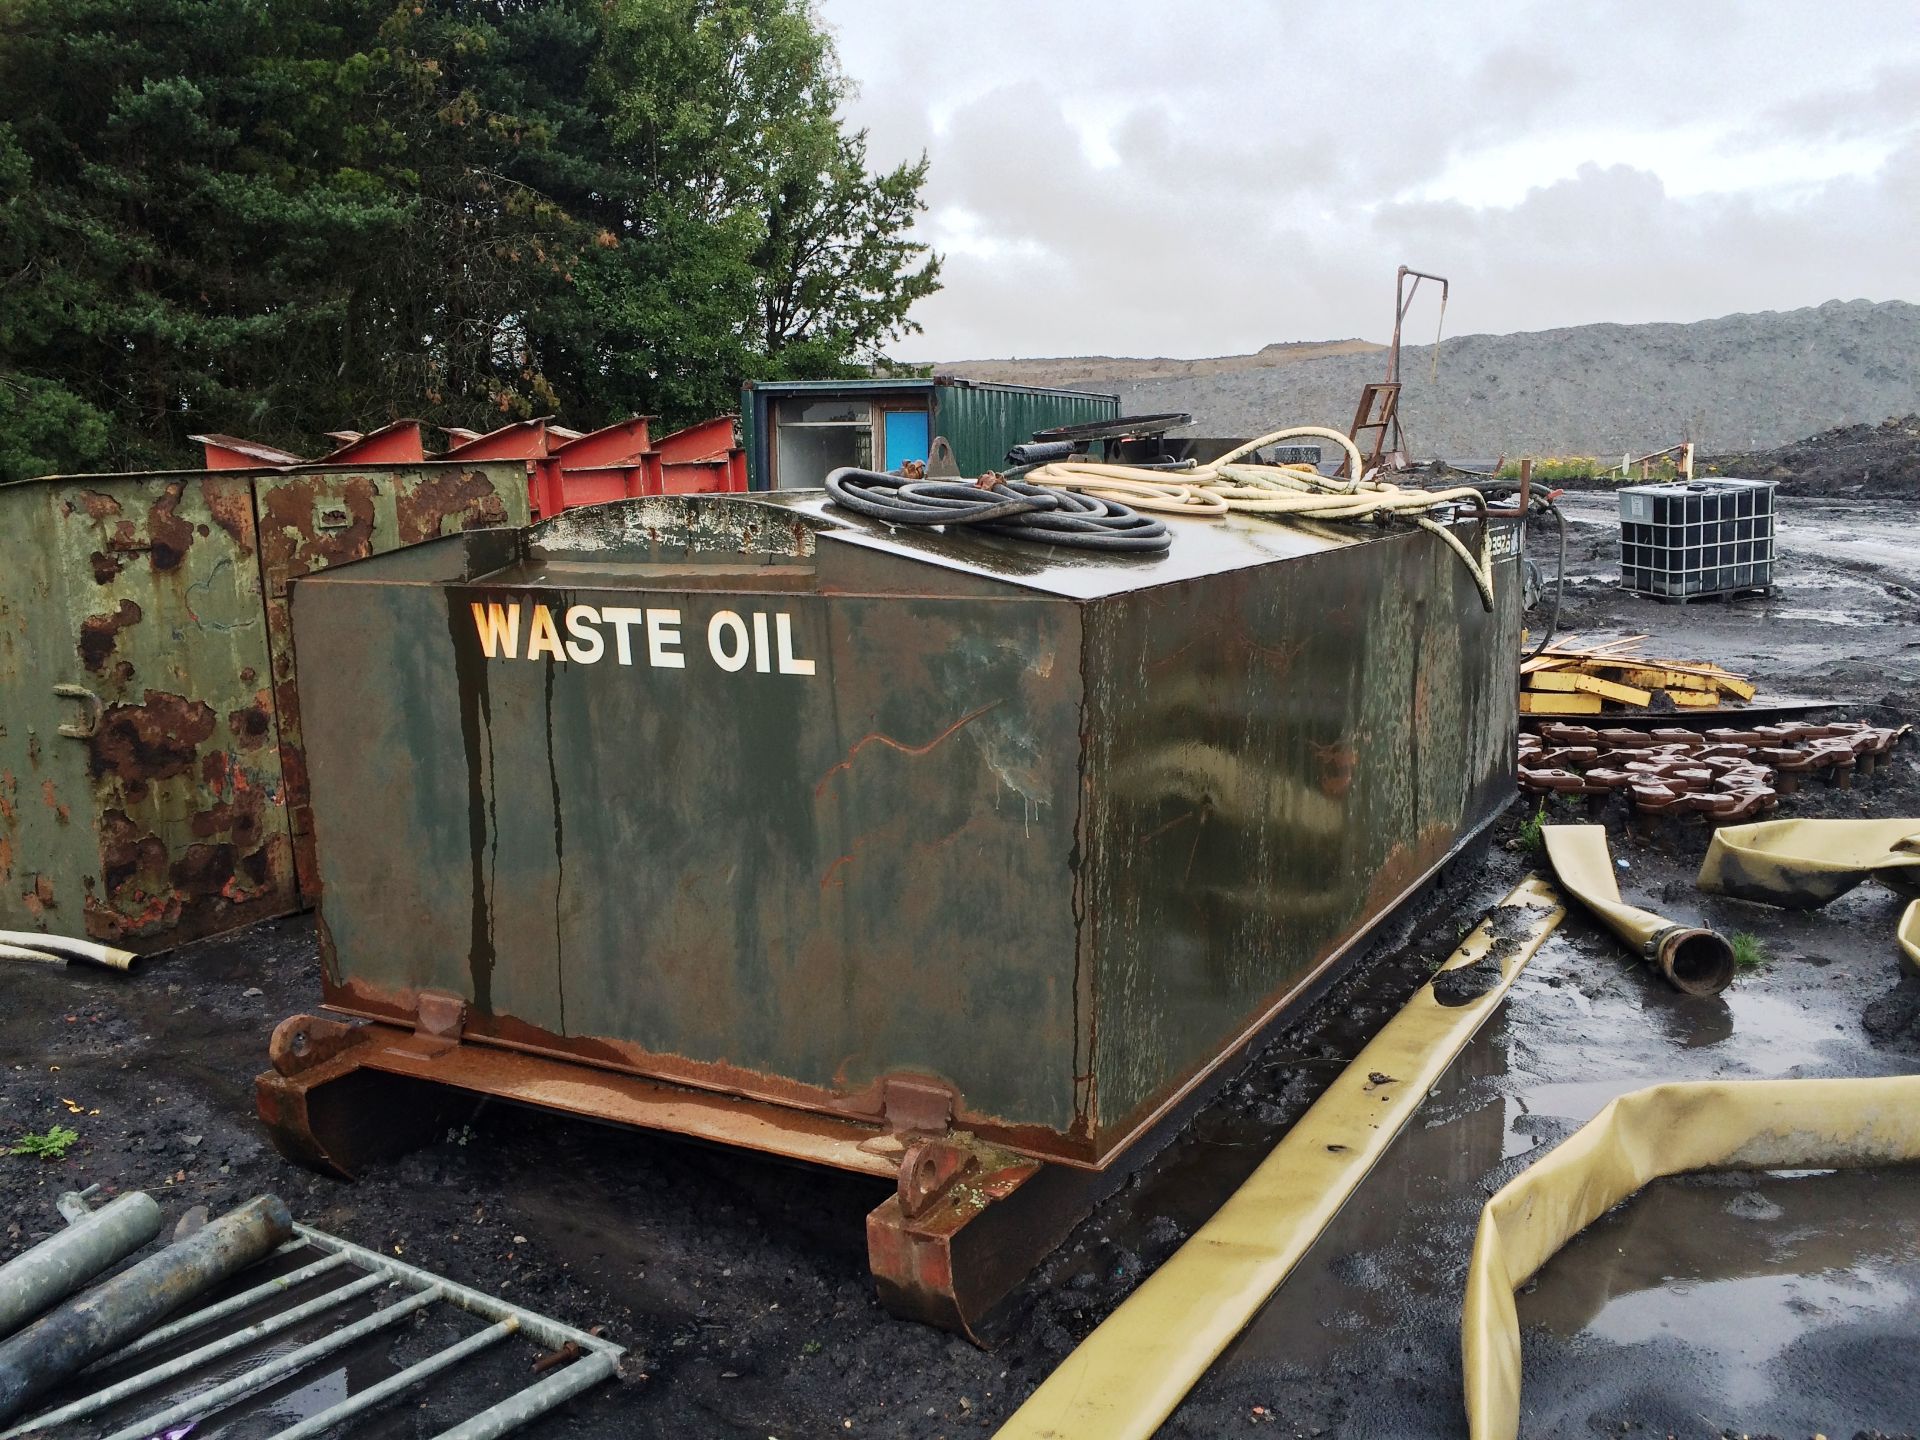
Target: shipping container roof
[{"x": 912, "y": 384}]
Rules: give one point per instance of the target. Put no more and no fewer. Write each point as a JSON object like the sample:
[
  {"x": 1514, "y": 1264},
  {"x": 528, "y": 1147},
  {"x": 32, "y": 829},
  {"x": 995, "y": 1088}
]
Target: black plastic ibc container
[{"x": 1697, "y": 538}]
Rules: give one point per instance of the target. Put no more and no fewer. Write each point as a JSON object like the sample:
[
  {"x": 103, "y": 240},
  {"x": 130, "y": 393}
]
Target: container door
[
  {"x": 47, "y": 845},
  {"x": 315, "y": 520},
  {"x": 162, "y": 658},
  {"x": 906, "y": 437}
]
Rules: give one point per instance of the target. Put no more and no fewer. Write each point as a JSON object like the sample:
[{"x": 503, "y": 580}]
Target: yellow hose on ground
[
  {"x": 1130, "y": 1373},
  {"x": 1908, "y": 935},
  {"x": 1279, "y": 492},
  {"x": 1638, "y": 1138},
  {"x": 1802, "y": 864},
  {"x": 1693, "y": 960}
]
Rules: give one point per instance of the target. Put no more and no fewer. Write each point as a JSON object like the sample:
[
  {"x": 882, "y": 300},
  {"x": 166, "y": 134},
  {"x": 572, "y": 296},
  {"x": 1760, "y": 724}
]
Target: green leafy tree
[{"x": 278, "y": 219}]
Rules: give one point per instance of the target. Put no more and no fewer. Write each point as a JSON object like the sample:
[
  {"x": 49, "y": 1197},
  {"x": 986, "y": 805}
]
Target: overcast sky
[{"x": 1176, "y": 178}]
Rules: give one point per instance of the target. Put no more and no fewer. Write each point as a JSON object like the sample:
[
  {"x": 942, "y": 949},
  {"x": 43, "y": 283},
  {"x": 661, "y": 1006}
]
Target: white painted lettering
[
  {"x": 735, "y": 657},
  {"x": 499, "y": 629},
  {"x": 586, "y": 646},
  {"x": 542, "y": 638},
  {"x": 760, "y": 642},
  {"x": 663, "y": 640},
  {"x": 783, "y": 631},
  {"x": 623, "y": 618}
]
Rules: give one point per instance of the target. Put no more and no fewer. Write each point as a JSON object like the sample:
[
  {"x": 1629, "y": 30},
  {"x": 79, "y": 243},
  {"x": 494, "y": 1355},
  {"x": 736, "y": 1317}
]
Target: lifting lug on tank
[
  {"x": 325, "y": 1109},
  {"x": 967, "y": 1223}
]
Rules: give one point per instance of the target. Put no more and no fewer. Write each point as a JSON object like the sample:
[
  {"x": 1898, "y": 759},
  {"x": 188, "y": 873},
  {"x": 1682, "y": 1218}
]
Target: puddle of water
[{"x": 1730, "y": 1278}]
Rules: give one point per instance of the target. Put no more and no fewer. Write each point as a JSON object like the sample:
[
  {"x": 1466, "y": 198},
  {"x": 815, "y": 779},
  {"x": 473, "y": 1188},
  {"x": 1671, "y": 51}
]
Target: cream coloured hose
[{"x": 1279, "y": 492}]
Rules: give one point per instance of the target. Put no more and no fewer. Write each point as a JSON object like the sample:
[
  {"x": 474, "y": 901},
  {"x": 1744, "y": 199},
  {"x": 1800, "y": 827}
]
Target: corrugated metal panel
[{"x": 982, "y": 421}]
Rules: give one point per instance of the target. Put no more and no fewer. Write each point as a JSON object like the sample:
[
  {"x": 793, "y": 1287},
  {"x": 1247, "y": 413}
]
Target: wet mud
[{"x": 740, "y": 1285}]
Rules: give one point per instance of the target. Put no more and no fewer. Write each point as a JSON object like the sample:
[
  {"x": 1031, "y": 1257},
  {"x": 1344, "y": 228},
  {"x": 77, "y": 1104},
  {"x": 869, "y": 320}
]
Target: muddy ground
[{"x": 1725, "y": 1306}]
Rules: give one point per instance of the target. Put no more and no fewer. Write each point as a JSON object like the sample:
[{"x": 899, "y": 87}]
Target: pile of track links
[
  {"x": 1002, "y": 507},
  {"x": 1722, "y": 774}
]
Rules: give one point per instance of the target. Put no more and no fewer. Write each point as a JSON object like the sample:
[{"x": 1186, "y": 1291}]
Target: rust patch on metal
[
  {"x": 99, "y": 505},
  {"x": 423, "y": 509},
  {"x": 61, "y": 812},
  {"x": 297, "y": 511},
  {"x": 9, "y": 788},
  {"x": 876, "y": 738},
  {"x": 38, "y": 897},
  {"x": 99, "y": 633},
  {"x": 232, "y": 511},
  {"x": 252, "y": 725},
  {"x": 169, "y": 537},
  {"x": 106, "y": 568},
  {"x": 155, "y": 740},
  {"x": 1335, "y": 764},
  {"x": 6, "y": 859}
]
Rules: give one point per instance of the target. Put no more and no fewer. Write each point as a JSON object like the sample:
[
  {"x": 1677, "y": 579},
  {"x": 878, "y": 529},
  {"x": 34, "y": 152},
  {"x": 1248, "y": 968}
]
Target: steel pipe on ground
[
  {"x": 56, "y": 1267},
  {"x": 66, "y": 1340}
]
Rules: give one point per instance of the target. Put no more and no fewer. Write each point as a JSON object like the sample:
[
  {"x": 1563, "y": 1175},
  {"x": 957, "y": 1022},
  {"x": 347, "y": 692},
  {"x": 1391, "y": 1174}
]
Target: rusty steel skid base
[{"x": 966, "y": 1223}]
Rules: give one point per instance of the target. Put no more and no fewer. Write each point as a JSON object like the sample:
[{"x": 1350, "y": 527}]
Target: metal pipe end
[{"x": 1695, "y": 962}]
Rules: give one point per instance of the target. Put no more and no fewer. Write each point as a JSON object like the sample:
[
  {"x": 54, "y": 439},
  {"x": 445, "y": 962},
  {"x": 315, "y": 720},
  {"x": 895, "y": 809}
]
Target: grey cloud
[{"x": 1269, "y": 164}]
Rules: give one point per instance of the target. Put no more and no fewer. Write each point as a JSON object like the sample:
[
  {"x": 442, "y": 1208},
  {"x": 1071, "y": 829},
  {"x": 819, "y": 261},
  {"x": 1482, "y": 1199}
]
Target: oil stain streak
[
  {"x": 559, "y": 856},
  {"x": 470, "y": 673}
]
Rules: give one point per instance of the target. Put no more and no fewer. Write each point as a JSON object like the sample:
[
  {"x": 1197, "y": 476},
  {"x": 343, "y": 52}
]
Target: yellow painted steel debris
[
  {"x": 1128, "y": 1376},
  {"x": 1697, "y": 961},
  {"x": 1638, "y": 1138},
  {"x": 1802, "y": 864}
]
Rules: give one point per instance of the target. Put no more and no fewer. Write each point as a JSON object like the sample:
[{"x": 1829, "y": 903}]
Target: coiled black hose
[{"x": 1012, "y": 508}]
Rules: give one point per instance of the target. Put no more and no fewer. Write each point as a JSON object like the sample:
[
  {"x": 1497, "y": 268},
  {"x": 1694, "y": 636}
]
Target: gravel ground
[{"x": 739, "y": 1284}]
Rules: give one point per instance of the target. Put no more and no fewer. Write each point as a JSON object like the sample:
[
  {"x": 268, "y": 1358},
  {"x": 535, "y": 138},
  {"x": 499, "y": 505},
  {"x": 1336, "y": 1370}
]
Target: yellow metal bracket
[{"x": 1130, "y": 1373}]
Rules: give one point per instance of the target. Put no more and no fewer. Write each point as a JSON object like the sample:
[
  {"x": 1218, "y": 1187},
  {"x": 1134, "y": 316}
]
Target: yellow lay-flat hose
[
  {"x": 1638, "y": 1138},
  {"x": 1802, "y": 864},
  {"x": 1280, "y": 492},
  {"x": 1129, "y": 1374},
  {"x": 1693, "y": 960},
  {"x": 1909, "y": 937}
]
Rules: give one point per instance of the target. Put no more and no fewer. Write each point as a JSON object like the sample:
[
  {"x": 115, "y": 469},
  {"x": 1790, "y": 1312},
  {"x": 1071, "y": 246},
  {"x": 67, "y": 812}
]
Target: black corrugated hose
[{"x": 1011, "y": 507}]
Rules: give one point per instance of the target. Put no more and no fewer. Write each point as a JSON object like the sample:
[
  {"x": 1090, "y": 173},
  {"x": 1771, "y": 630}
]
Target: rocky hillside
[{"x": 1737, "y": 384}]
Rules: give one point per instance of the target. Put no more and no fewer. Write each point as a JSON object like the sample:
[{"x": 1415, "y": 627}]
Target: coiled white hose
[{"x": 1279, "y": 492}]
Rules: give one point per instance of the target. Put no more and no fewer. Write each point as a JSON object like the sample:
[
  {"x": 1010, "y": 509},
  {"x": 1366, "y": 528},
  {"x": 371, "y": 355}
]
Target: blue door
[{"x": 906, "y": 437}]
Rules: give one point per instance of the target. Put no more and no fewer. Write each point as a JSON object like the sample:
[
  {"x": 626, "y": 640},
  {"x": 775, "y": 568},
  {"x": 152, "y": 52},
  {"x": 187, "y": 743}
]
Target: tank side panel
[
  {"x": 1276, "y": 756},
  {"x": 791, "y": 885}
]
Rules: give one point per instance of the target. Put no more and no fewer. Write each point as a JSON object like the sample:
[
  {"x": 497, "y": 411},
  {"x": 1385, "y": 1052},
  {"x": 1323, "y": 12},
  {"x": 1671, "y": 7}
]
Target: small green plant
[
  {"x": 51, "y": 1146},
  {"x": 812, "y": 1347},
  {"x": 1555, "y": 469},
  {"x": 1748, "y": 952},
  {"x": 1531, "y": 840}
]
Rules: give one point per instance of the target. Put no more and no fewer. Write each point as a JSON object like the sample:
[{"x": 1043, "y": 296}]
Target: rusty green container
[
  {"x": 752, "y": 795},
  {"x": 152, "y": 787},
  {"x": 980, "y": 420}
]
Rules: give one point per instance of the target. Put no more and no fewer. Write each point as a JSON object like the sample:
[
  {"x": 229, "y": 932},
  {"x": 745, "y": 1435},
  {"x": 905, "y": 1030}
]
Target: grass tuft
[
  {"x": 1748, "y": 952},
  {"x": 1531, "y": 840}
]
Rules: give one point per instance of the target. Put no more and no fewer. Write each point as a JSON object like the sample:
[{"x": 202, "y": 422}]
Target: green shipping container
[{"x": 795, "y": 431}]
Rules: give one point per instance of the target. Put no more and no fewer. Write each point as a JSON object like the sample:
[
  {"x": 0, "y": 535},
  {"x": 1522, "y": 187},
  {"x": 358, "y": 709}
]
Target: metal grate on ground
[{"x": 348, "y": 1277}]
